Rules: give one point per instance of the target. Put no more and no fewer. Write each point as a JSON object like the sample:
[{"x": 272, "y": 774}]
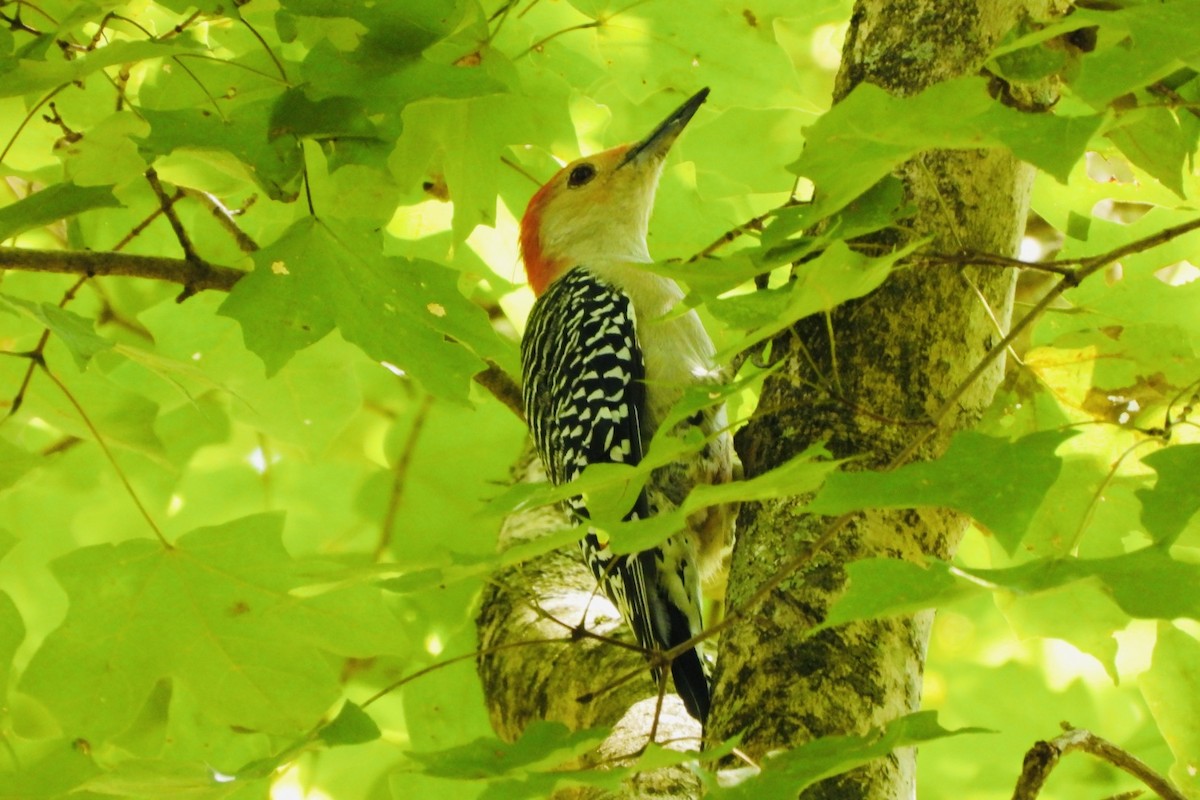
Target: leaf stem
[
  {"x": 109, "y": 455},
  {"x": 400, "y": 478}
]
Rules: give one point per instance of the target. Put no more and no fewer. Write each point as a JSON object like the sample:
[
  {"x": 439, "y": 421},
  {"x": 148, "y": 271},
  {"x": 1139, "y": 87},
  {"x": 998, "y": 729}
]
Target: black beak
[{"x": 660, "y": 140}]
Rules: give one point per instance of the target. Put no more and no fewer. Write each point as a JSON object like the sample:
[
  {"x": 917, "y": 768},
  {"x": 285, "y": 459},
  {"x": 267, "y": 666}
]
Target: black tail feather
[{"x": 692, "y": 684}]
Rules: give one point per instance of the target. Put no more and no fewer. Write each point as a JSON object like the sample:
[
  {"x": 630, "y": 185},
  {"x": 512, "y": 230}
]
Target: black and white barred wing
[{"x": 584, "y": 398}]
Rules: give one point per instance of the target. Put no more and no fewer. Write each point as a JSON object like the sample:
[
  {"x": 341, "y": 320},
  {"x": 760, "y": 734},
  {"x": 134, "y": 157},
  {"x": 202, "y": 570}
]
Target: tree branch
[
  {"x": 502, "y": 387},
  {"x": 194, "y": 277},
  {"x": 1043, "y": 757},
  {"x": 224, "y": 217},
  {"x": 168, "y": 209}
]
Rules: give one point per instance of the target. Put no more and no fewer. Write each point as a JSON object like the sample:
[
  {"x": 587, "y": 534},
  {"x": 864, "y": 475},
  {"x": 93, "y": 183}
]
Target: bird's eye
[{"x": 581, "y": 175}]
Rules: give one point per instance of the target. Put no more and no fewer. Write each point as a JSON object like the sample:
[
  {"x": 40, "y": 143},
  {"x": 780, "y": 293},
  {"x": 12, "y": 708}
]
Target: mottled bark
[{"x": 900, "y": 352}]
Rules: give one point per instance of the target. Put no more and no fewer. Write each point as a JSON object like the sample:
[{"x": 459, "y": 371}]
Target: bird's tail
[
  {"x": 658, "y": 622},
  {"x": 692, "y": 684}
]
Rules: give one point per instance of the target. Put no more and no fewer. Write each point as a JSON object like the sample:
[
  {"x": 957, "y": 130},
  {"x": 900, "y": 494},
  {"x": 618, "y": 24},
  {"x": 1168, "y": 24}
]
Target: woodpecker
[{"x": 604, "y": 359}]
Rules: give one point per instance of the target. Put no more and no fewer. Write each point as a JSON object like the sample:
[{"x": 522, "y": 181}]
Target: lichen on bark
[{"x": 892, "y": 360}]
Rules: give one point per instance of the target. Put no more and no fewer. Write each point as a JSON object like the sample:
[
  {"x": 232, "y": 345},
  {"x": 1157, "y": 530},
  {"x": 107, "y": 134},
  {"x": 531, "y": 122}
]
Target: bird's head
[{"x": 598, "y": 208}]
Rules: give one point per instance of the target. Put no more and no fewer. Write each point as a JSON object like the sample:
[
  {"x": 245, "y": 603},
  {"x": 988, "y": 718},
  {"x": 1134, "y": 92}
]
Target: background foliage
[{"x": 223, "y": 517}]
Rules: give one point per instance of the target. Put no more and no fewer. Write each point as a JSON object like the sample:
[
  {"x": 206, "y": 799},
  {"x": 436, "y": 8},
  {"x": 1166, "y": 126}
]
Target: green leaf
[
  {"x": 1082, "y": 601},
  {"x": 1082, "y": 613},
  {"x": 152, "y": 779},
  {"x": 39, "y": 76},
  {"x": 275, "y": 163},
  {"x": 786, "y": 774},
  {"x": 885, "y": 587},
  {"x": 108, "y": 154},
  {"x": 15, "y": 463},
  {"x": 543, "y": 746},
  {"x": 464, "y": 141},
  {"x": 614, "y": 487},
  {"x": 417, "y": 577},
  {"x": 386, "y": 85},
  {"x": 296, "y": 114},
  {"x": 55, "y": 202},
  {"x": 798, "y": 475},
  {"x": 215, "y": 613},
  {"x": 394, "y": 33},
  {"x": 54, "y": 774},
  {"x": 878, "y": 588},
  {"x": 838, "y": 274},
  {"x": 1172, "y": 690},
  {"x": 76, "y": 332},
  {"x": 1175, "y": 498},
  {"x": 1154, "y": 141},
  {"x": 656, "y": 756},
  {"x": 1146, "y": 583},
  {"x": 876, "y": 132},
  {"x": 1144, "y": 42},
  {"x": 12, "y": 633},
  {"x": 713, "y": 276},
  {"x": 351, "y": 726},
  {"x": 1029, "y": 64},
  {"x": 407, "y": 313},
  {"x": 878, "y": 208},
  {"x": 612, "y": 57},
  {"x": 996, "y": 481}
]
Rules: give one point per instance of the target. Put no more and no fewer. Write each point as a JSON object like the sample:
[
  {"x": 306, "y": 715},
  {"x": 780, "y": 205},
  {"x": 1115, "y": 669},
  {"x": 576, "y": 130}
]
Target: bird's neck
[
  {"x": 550, "y": 250},
  {"x": 653, "y": 295}
]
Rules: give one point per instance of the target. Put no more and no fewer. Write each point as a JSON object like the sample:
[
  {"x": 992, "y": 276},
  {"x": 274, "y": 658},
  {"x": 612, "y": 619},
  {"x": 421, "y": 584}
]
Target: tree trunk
[{"x": 899, "y": 353}]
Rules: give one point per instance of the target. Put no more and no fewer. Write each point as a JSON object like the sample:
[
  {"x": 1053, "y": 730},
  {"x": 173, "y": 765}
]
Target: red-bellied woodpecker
[{"x": 604, "y": 360}]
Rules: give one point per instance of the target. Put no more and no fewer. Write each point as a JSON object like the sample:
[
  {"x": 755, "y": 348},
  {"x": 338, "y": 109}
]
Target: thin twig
[
  {"x": 136, "y": 230},
  {"x": 224, "y": 218},
  {"x": 547, "y": 39},
  {"x": 991, "y": 313},
  {"x": 168, "y": 209},
  {"x": 181, "y": 27},
  {"x": 1043, "y": 757},
  {"x": 37, "y": 355},
  {"x": 480, "y": 653},
  {"x": 499, "y": 16},
  {"x": 754, "y": 224},
  {"x": 199, "y": 270},
  {"x": 581, "y": 631},
  {"x": 29, "y": 115},
  {"x": 977, "y": 259},
  {"x": 266, "y": 47},
  {"x": 1176, "y": 100},
  {"x": 1098, "y": 494},
  {"x": 400, "y": 477},
  {"x": 508, "y": 162},
  {"x": 109, "y": 455},
  {"x": 502, "y": 387}
]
